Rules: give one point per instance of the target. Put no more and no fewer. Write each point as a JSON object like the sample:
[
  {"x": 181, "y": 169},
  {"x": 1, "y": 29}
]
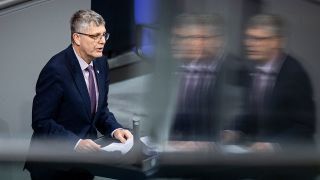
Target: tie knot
[{"x": 89, "y": 68}]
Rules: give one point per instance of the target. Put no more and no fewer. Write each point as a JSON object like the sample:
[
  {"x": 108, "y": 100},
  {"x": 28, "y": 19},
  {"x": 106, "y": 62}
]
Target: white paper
[
  {"x": 234, "y": 149},
  {"x": 122, "y": 147}
]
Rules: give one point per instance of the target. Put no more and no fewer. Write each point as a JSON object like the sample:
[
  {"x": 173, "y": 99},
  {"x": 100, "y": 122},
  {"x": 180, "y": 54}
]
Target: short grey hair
[
  {"x": 81, "y": 19},
  {"x": 213, "y": 20},
  {"x": 274, "y": 22}
]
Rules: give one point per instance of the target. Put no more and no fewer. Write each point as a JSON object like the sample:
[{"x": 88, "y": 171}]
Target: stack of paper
[{"x": 122, "y": 147}]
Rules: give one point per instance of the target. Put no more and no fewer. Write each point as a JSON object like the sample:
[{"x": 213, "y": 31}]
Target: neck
[
  {"x": 87, "y": 59},
  {"x": 271, "y": 57},
  {"x": 275, "y": 55}
]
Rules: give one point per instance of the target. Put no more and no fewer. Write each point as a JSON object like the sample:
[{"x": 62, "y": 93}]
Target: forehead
[
  {"x": 259, "y": 31},
  {"x": 192, "y": 29},
  {"x": 93, "y": 28}
]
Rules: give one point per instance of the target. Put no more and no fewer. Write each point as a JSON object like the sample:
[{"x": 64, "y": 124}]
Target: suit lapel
[{"x": 79, "y": 80}]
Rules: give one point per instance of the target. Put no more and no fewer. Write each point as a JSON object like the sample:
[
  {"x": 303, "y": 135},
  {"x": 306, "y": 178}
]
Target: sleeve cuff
[{"x": 77, "y": 144}]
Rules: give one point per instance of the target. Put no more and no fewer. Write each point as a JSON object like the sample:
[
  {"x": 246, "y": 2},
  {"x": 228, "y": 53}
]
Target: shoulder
[
  {"x": 58, "y": 63},
  {"x": 292, "y": 64},
  {"x": 293, "y": 67},
  {"x": 293, "y": 71}
]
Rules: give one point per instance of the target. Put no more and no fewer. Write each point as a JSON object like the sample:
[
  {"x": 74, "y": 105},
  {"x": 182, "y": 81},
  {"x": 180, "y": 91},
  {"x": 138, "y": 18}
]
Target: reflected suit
[{"x": 286, "y": 114}]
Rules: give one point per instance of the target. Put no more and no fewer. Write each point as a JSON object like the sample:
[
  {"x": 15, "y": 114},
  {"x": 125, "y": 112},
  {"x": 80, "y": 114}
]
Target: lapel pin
[{"x": 98, "y": 71}]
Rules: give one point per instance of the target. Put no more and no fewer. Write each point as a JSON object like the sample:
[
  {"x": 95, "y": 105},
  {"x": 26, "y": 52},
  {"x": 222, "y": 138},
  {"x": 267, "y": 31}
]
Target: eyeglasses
[
  {"x": 193, "y": 37},
  {"x": 259, "y": 39},
  {"x": 96, "y": 37}
]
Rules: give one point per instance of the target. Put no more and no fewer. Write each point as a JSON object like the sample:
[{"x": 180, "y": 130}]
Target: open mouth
[
  {"x": 253, "y": 52},
  {"x": 99, "y": 49}
]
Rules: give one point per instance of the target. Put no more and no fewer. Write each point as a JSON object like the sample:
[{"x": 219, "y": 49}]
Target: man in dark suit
[
  {"x": 206, "y": 77},
  {"x": 280, "y": 106},
  {"x": 70, "y": 104}
]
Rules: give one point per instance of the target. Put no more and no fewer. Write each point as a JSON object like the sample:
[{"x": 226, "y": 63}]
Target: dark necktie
[{"x": 92, "y": 89}]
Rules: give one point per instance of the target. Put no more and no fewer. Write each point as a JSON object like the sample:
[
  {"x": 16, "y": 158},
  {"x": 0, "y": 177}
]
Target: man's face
[
  {"x": 212, "y": 43},
  {"x": 261, "y": 44},
  {"x": 92, "y": 44},
  {"x": 189, "y": 42}
]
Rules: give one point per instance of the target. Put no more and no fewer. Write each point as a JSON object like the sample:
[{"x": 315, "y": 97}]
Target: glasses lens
[{"x": 107, "y": 36}]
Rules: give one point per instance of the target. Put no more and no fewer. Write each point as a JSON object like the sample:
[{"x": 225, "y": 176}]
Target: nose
[
  {"x": 102, "y": 40},
  {"x": 252, "y": 43}
]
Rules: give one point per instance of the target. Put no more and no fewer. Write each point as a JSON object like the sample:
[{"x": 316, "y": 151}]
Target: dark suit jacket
[
  {"x": 61, "y": 107},
  {"x": 289, "y": 110},
  {"x": 204, "y": 121}
]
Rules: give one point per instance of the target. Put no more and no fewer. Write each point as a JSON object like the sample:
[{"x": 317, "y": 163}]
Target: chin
[
  {"x": 255, "y": 57},
  {"x": 97, "y": 55}
]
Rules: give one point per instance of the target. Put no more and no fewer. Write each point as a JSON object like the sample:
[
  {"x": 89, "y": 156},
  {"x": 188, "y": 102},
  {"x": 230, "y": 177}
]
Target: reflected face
[
  {"x": 192, "y": 42},
  {"x": 261, "y": 44},
  {"x": 92, "y": 41}
]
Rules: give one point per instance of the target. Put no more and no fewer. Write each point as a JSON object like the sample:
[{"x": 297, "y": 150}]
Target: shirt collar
[
  {"x": 270, "y": 66},
  {"x": 82, "y": 63},
  {"x": 209, "y": 64}
]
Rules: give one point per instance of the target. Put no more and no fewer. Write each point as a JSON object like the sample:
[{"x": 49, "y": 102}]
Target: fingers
[
  {"x": 122, "y": 135},
  {"x": 122, "y": 139},
  {"x": 119, "y": 134},
  {"x": 87, "y": 145},
  {"x": 262, "y": 147},
  {"x": 127, "y": 134},
  {"x": 94, "y": 145}
]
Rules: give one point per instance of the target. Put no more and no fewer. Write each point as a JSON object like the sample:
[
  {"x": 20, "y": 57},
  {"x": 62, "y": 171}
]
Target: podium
[{"x": 212, "y": 164}]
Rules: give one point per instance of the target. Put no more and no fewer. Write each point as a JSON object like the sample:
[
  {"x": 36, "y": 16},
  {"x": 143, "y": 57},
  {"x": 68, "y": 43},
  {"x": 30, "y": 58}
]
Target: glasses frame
[
  {"x": 259, "y": 39},
  {"x": 96, "y": 37}
]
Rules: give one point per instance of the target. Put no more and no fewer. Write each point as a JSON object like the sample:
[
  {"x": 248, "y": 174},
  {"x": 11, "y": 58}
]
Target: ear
[
  {"x": 76, "y": 38},
  {"x": 283, "y": 42},
  {"x": 279, "y": 43}
]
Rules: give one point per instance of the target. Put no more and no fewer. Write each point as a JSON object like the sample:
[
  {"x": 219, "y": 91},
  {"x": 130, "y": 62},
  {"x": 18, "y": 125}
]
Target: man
[
  {"x": 280, "y": 107},
  {"x": 204, "y": 72},
  {"x": 70, "y": 104}
]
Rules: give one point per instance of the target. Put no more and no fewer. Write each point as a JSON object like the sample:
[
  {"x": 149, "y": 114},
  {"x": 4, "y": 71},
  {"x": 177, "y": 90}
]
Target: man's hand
[
  {"x": 87, "y": 145},
  {"x": 190, "y": 146},
  {"x": 122, "y": 135},
  {"x": 263, "y": 147}
]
